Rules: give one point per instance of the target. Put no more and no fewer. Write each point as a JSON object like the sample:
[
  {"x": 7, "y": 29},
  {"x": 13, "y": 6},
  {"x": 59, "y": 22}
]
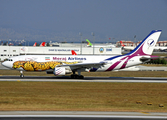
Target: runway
[
  {"x": 64, "y": 115},
  {"x": 86, "y": 79},
  {"x": 80, "y": 115}
]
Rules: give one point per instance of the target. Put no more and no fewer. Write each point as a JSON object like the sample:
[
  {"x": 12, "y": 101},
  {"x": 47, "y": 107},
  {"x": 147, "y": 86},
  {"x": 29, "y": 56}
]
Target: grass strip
[
  {"x": 98, "y": 74},
  {"x": 81, "y": 96}
]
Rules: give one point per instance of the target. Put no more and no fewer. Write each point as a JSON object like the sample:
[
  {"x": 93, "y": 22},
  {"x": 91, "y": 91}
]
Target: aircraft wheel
[
  {"x": 21, "y": 75},
  {"x": 80, "y": 77},
  {"x": 73, "y": 76}
]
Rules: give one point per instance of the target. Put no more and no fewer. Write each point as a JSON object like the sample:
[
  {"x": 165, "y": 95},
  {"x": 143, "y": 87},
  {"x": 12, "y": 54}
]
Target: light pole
[
  {"x": 25, "y": 40},
  {"x": 135, "y": 40},
  {"x": 93, "y": 42},
  {"x": 81, "y": 43}
]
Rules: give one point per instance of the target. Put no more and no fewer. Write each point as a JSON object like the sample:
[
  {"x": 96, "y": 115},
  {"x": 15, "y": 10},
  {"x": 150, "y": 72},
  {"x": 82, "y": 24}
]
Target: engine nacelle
[{"x": 61, "y": 71}]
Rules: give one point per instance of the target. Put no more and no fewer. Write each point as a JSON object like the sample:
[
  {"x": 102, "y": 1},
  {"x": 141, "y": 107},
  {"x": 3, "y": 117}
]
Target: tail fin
[
  {"x": 35, "y": 44},
  {"x": 146, "y": 47},
  {"x": 122, "y": 44},
  {"x": 73, "y": 52},
  {"x": 89, "y": 43},
  {"x": 42, "y": 44}
]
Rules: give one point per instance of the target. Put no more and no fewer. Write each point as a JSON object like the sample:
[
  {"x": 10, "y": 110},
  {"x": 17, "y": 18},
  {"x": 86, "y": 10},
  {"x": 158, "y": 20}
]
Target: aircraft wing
[{"x": 84, "y": 65}]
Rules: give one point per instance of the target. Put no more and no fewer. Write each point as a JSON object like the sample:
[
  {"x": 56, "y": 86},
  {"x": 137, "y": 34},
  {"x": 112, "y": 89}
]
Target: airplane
[
  {"x": 122, "y": 44},
  {"x": 132, "y": 47},
  {"x": 91, "y": 45},
  {"x": 41, "y": 45},
  {"x": 126, "y": 47},
  {"x": 35, "y": 44},
  {"x": 160, "y": 48},
  {"x": 73, "y": 52},
  {"x": 67, "y": 64}
]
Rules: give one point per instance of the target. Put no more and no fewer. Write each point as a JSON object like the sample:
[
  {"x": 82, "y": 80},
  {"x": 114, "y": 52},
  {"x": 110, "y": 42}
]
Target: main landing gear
[
  {"x": 75, "y": 76},
  {"x": 21, "y": 74}
]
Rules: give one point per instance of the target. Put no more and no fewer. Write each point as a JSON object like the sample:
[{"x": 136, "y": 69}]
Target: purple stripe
[
  {"x": 115, "y": 64},
  {"x": 58, "y": 73},
  {"x": 124, "y": 64},
  {"x": 138, "y": 51}
]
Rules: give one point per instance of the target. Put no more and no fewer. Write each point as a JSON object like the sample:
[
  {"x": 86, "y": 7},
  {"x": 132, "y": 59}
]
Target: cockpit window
[
  {"x": 8, "y": 60},
  {"x": 5, "y": 59}
]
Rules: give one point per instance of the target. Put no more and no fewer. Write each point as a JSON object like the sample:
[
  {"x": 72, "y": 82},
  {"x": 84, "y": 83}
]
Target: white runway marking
[
  {"x": 87, "y": 79},
  {"x": 82, "y": 114}
]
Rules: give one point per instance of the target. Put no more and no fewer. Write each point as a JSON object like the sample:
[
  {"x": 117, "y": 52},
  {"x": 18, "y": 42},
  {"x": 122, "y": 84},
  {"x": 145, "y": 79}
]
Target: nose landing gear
[{"x": 21, "y": 74}]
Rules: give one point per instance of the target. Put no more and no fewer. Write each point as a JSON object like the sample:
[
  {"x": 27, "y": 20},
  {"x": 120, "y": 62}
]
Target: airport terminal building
[{"x": 10, "y": 51}]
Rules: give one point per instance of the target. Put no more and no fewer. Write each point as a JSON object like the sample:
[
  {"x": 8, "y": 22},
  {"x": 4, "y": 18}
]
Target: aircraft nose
[
  {"x": 7, "y": 64},
  {"x": 4, "y": 64}
]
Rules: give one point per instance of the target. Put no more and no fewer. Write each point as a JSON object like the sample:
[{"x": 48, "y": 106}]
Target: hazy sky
[{"x": 112, "y": 18}]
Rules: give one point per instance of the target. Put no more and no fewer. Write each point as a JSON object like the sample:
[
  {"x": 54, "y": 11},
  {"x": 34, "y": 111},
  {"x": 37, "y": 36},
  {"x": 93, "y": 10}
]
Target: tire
[
  {"x": 72, "y": 76},
  {"x": 75, "y": 76},
  {"x": 80, "y": 77},
  {"x": 21, "y": 75}
]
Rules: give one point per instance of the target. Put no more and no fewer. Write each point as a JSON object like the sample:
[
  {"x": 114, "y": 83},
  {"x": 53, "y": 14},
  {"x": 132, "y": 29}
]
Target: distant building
[
  {"x": 161, "y": 43},
  {"x": 130, "y": 43},
  {"x": 126, "y": 43},
  {"x": 10, "y": 51}
]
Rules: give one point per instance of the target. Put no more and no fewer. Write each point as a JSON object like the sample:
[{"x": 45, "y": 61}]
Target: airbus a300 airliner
[{"x": 67, "y": 64}]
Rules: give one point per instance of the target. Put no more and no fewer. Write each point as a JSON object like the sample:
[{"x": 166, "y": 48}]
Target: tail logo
[{"x": 150, "y": 42}]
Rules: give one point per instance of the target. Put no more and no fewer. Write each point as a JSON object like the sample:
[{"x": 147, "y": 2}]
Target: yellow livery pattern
[{"x": 38, "y": 66}]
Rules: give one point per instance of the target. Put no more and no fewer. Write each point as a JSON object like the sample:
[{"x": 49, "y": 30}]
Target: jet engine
[{"x": 61, "y": 71}]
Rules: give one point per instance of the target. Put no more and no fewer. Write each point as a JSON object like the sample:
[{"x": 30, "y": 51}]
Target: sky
[{"x": 62, "y": 20}]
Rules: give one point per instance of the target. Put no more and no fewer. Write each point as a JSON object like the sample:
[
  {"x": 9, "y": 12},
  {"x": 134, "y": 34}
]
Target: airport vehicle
[
  {"x": 102, "y": 45},
  {"x": 67, "y": 64}
]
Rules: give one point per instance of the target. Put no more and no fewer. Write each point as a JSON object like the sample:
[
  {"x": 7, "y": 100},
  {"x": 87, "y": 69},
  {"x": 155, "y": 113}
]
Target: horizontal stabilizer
[{"x": 146, "y": 59}]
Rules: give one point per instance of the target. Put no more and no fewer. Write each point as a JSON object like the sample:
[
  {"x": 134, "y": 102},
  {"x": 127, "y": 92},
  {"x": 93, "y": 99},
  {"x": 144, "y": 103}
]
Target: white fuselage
[{"x": 113, "y": 64}]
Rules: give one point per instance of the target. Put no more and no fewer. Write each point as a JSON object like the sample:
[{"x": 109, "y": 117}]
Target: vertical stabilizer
[
  {"x": 42, "y": 44},
  {"x": 146, "y": 47},
  {"x": 73, "y": 52},
  {"x": 35, "y": 44},
  {"x": 122, "y": 44},
  {"x": 89, "y": 43}
]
